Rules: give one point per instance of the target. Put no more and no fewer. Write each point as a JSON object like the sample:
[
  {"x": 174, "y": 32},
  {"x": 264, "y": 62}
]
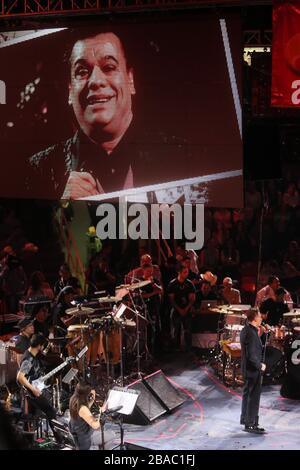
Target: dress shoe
[{"x": 254, "y": 429}]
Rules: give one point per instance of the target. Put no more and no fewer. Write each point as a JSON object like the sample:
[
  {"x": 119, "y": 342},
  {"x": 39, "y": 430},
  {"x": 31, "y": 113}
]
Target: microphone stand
[{"x": 264, "y": 355}]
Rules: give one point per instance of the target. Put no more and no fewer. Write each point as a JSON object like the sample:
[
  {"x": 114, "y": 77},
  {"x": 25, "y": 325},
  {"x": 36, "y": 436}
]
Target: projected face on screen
[
  {"x": 101, "y": 87},
  {"x": 148, "y": 109}
]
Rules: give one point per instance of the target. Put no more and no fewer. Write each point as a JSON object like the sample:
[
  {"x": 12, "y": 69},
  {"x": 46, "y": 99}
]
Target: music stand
[{"x": 123, "y": 401}]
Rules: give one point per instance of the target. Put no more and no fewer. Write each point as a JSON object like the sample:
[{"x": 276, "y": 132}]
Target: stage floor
[{"x": 209, "y": 419}]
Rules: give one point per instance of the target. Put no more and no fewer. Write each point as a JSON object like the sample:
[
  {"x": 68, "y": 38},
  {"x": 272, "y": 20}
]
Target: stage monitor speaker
[
  {"x": 147, "y": 407},
  {"x": 162, "y": 389}
]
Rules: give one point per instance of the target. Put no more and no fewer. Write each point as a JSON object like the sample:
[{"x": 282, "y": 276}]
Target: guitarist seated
[{"x": 30, "y": 370}]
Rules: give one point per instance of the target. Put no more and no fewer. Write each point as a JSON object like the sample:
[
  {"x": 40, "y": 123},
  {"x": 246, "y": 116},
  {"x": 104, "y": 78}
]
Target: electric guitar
[{"x": 40, "y": 382}]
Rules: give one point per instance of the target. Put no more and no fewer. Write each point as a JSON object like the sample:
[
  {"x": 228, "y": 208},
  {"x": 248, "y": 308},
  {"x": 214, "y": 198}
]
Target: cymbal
[
  {"x": 108, "y": 300},
  {"x": 294, "y": 313},
  {"x": 219, "y": 310},
  {"x": 139, "y": 285},
  {"x": 77, "y": 327},
  {"x": 135, "y": 285},
  {"x": 80, "y": 311}
]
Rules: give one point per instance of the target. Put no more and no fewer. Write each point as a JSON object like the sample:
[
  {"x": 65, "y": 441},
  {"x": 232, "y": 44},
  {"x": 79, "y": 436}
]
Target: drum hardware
[{"x": 138, "y": 316}]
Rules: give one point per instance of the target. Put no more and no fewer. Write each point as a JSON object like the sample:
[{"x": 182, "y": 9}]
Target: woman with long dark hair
[{"x": 85, "y": 428}]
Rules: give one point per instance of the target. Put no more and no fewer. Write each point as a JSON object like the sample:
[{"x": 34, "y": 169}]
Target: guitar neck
[{"x": 54, "y": 371}]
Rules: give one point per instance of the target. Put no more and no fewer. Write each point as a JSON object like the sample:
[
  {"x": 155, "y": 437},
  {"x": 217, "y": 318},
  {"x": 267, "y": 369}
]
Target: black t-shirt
[
  {"x": 22, "y": 344},
  {"x": 275, "y": 311},
  {"x": 181, "y": 291},
  {"x": 31, "y": 366},
  {"x": 152, "y": 302},
  {"x": 41, "y": 327}
]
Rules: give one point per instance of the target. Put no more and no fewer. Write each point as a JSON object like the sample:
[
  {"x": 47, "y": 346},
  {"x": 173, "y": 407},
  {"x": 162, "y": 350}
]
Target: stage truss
[{"x": 21, "y": 8}]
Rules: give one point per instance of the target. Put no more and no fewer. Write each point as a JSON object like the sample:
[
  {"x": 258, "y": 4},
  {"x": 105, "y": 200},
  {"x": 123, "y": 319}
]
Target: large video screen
[{"x": 148, "y": 109}]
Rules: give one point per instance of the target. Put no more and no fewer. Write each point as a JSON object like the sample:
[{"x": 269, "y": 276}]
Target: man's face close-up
[{"x": 101, "y": 86}]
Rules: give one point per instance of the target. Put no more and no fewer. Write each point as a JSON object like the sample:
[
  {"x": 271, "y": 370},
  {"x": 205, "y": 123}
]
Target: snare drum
[
  {"x": 278, "y": 337},
  {"x": 232, "y": 332},
  {"x": 235, "y": 319}
]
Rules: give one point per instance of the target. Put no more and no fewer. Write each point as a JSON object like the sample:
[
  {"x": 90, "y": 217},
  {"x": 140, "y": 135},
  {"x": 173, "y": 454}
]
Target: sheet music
[{"x": 122, "y": 398}]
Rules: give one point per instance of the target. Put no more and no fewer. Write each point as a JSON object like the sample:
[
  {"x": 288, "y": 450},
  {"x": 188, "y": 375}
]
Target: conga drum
[
  {"x": 78, "y": 336},
  {"x": 109, "y": 350}
]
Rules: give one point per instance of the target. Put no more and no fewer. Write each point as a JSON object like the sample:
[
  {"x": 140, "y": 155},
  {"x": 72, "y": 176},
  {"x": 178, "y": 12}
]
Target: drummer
[
  {"x": 229, "y": 295},
  {"x": 63, "y": 303},
  {"x": 275, "y": 308},
  {"x": 41, "y": 319}
]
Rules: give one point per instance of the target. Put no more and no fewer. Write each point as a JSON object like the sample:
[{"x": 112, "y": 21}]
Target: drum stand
[{"x": 138, "y": 333}]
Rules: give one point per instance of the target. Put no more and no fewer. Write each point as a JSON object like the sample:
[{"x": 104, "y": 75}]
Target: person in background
[
  {"x": 39, "y": 287},
  {"x": 230, "y": 295},
  {"x": 182, "y": 298},
  {"x": 269, "y": 290},
  {"x": 275, "y": 308}
]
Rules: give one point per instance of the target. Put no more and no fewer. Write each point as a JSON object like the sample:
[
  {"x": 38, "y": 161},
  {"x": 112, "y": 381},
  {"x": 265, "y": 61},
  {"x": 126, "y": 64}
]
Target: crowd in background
[{"x": 232, "y": 240}]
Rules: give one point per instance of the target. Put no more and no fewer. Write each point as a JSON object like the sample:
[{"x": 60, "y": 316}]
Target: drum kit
[{"x": 279, "y": 339}]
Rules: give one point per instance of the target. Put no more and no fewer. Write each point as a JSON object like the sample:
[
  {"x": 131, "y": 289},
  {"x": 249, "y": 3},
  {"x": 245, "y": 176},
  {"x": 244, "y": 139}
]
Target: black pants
[
  {"x": 43, "y": 404},
  {"x": 185, "y": 323},
  {"x": 251, "y": 398}
]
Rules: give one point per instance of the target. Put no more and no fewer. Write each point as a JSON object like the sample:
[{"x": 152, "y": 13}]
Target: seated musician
[
  {"x": 23, "y": 339},
  {"x": 137, "y": 273},
  {"x": 85, "y": 428},
  {"x": 151, "y": 294},
  {"x": 229, "y": 295},
  {"x": 31, "y": 369},
  {"x": 41, "y": 319},
  {"x": 63, "y": 303}
]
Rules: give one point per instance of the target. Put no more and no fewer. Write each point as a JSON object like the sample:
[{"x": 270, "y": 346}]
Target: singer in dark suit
[{"x": 252, "y": 368}]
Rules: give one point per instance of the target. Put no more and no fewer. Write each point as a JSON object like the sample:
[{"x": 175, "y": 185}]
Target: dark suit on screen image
[{"x": 251, "y": 369}]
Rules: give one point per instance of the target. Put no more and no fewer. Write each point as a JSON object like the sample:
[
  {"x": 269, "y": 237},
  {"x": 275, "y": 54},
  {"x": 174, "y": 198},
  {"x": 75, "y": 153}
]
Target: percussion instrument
[
  {"x": 109, "y": 349},
  {"x": 293, "y": 313},
  {"x": 296, "y": 331},
  {"x": 233, "y": 349},
  {"x": 108, "y": 300},
  {"x": 77, "y": 311},
  {"x": 232, "y": 332},
  {"x": 77, "y": 329},
  {"x": 239, "y": 308},
  {"x": 277, "y": 337},
  {"x": 78, "y": 336},
  {"x": 235, "y": 319}
]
